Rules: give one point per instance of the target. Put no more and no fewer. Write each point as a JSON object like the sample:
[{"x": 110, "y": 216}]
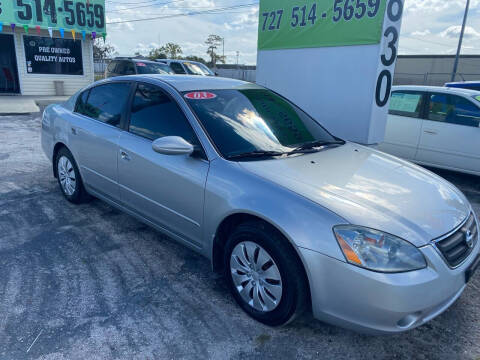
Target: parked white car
[{"x": 435, "y": 126}]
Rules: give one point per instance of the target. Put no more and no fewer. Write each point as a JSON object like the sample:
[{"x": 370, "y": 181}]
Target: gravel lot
[{"x": 89, "y": 282}]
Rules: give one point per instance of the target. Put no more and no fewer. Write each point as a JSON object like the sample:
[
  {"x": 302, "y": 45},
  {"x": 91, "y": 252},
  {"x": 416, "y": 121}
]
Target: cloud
[
  {"x": 454, "y": 32},
  {"x": 428, "y": 27},
  {"x": 421, "y": 33}
]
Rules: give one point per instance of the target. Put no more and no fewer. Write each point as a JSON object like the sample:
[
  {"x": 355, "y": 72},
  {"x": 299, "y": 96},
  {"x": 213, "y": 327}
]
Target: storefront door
[{"x": 8, "y": 66}]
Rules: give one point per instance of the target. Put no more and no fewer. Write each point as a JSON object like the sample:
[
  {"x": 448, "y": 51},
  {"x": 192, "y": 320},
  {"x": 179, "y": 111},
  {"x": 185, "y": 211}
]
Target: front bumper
[{"x": 371, "y": 302}]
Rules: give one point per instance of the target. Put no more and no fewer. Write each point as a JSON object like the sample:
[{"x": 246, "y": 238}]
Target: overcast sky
[{"x": 429, "y": 26}]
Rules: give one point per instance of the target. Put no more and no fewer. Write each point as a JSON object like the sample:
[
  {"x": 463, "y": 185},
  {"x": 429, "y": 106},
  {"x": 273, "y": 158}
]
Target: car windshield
[
  {"x": 254, "y": 120},
  {"x": 152, "y": 68},
  {"x": 197, "y": 69}
]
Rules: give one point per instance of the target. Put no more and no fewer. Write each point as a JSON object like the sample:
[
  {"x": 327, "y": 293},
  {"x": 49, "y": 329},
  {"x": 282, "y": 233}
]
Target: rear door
[
  {"x": 404, "y": 123},
  {"x": 99, "y": 115},
  {"x": 450, "y": 134},
  {"x": 165, "y": 189}
]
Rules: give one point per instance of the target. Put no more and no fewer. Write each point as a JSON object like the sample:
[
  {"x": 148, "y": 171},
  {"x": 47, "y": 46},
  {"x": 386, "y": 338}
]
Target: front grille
[{"x": 456, "y": 247}]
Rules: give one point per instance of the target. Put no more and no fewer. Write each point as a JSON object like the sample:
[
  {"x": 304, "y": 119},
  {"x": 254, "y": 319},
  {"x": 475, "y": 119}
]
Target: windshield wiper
[
  {"x": 255, "y": 154},
  {"x": 318, "y": 143}
]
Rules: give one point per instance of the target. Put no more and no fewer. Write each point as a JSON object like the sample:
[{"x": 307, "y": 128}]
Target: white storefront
[
  {"x": 17, "y": 77},
  {"x": 46, "y": 46}
]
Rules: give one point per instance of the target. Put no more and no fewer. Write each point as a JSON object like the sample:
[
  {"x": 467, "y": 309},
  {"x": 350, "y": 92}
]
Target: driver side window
[{"x": 154, "y": 115}]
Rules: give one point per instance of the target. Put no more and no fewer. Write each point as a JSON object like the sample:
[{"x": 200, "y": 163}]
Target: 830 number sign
[{"x": 388, "y": 58}]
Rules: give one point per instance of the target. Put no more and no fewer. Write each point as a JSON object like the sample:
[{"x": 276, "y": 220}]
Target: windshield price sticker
[
  {"x": 319, "y": 23},
  {"x": 200, "y": 95},
  {"x": 68, "y": 14}
]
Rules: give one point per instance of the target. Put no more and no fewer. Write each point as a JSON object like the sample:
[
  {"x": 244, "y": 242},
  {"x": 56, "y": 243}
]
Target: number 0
[{"x": 388, "y": 75}]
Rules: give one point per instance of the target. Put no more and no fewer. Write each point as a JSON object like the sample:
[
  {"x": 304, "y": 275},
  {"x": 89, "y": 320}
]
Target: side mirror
[
  {"x": 216, "y": 73},
  {"x": 172, "y": 145}
]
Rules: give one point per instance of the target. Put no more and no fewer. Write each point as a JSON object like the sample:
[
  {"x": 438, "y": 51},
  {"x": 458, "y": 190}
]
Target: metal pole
[{"x": 455, "y": 66}]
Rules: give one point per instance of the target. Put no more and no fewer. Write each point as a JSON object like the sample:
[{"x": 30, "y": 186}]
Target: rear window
[
  {"x": 105, "y": 103},
  {"x": 111, "y": 66}
]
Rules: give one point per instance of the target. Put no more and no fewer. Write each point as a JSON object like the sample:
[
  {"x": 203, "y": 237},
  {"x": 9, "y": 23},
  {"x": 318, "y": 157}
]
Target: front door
[
  {"x": 404, "y": 123},
  {"x": 450, "y": 134},
  {"x": 8, "y": 66},
  {"x": 165, "y": 189}
]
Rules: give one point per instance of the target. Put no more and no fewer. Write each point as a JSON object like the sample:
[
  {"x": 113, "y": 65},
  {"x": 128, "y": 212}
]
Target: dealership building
[{"x": 48, "y": 50}]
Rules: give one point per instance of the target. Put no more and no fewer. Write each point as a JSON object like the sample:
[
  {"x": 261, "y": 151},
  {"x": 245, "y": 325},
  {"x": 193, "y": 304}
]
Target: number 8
[{"x": 391, "y": 15}]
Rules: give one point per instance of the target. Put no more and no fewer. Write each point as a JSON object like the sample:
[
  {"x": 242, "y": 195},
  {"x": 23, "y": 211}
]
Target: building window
[{"x": 46, "y": 55}]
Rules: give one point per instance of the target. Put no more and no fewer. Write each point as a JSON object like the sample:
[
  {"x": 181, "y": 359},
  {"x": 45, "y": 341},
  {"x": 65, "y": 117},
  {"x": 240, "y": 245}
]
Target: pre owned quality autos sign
[
  {"x": 285, "y": 24},
  {"x": 66, "y": 14}
]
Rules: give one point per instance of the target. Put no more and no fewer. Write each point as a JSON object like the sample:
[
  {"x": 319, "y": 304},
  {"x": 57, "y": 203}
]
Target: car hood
[{"x": 369, "y": 188}]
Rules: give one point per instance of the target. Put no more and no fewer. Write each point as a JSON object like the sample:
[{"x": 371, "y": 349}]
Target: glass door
[{"x": 9, "y": 83}]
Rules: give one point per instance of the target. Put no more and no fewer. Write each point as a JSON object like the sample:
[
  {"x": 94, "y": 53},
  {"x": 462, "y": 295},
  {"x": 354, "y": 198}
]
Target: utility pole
[
  {"x": 223, "y": 47},
  {"x": 455, "y": 66},
  {"x": 238, "y": 54}
]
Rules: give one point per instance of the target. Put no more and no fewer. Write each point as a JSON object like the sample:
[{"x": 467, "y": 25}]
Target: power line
[
  {"x": 131, "y": 3},
  {"x": 217, "y": 10},
  {"x": 144, "y": 6}
]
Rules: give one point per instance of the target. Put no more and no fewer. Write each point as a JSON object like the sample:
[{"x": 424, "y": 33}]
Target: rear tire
[
  {"x": 265, "y": 275},
  {"x": 69, "y": 178}
]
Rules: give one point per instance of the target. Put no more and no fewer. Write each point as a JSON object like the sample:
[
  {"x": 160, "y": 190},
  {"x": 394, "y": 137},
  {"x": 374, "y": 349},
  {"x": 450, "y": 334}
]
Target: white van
[{"x": 435, "y": 126}]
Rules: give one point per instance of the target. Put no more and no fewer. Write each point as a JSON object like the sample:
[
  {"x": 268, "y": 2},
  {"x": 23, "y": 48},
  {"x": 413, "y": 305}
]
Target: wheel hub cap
[
  {"x": 66, "y": 175},
  {"x": 256, "y": 276}
]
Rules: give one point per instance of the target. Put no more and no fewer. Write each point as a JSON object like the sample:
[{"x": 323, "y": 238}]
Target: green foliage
[
  {"x": 103, "y": 50},
  {"x": 213, "y": 42}
]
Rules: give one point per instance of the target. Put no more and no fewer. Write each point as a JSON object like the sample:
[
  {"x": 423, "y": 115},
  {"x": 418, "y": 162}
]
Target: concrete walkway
[{"x": 11, "y": 104}]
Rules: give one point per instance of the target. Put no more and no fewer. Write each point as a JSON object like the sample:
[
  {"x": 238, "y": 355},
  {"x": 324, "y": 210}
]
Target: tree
[
  {"x": 169, "y": 50},
  {"x": 103, "y": 50},
  {"x": 213, "y": 42},
  {"x": 172, "y": 50},
  {"x": 157, "y": 53}
]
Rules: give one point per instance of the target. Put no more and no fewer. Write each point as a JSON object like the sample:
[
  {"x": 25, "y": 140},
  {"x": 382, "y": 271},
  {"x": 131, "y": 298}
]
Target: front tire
[
  {"x": 69, "y": 178},
  {"x": 265, "y": 275}
]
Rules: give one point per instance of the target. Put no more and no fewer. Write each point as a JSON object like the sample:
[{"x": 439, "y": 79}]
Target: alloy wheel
[
  {"x": 256, "y": 276},
  {"x": 66, "y": 175}
]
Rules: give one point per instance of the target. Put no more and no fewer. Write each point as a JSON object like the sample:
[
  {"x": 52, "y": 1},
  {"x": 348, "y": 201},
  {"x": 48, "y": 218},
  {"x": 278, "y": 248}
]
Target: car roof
[
  {"x": 178, "y": 60},
  {"x": 438, "y": 89},
  {"x": 463, "y": 82},
  {"x": 191, "y": 82}
]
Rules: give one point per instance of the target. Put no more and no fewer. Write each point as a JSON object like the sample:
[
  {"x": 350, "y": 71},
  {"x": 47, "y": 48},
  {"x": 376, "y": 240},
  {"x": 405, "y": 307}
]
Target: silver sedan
[{"x": 295, "y": 217}]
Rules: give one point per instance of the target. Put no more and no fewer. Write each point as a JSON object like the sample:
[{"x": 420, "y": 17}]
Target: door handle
[
  {"x": 74, "y": 131},
  {"x": 431, "y": 132},
  {"x": 124, "y": 155}
]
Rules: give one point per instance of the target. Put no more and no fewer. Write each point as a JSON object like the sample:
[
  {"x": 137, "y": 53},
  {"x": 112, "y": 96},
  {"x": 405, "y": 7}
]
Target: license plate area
[{"x": 471, "y": 270}]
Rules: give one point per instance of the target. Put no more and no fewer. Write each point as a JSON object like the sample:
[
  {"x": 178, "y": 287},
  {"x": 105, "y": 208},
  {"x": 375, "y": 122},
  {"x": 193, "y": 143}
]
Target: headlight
[{"x": 378, "y": 251}]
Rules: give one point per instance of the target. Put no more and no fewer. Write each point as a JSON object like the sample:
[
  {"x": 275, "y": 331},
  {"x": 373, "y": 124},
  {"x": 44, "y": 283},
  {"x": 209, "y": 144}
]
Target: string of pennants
[{"x": 61, "y": 30}]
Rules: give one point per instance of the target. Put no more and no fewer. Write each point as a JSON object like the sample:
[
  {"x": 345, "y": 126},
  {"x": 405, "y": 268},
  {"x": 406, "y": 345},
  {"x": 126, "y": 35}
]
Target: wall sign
[
  {"x": 53, "y": 56},
  {"x": 66, "y": 14},
  {"x": 284, "y": 24},
  {"x": 334, "y": 58}
]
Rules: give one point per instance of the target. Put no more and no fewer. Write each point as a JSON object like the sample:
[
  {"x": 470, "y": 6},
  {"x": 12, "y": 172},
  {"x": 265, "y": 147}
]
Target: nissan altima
[{"x": 295, "y": 217}]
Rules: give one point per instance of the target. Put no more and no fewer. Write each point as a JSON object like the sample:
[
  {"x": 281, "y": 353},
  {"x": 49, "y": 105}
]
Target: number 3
[{"x": 391, "y": 46}]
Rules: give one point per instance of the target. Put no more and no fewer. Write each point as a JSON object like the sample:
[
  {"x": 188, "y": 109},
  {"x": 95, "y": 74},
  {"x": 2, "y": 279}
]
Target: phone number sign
[
  {"x": 287, "y": 24},
  {"x": 67, "y": 14}
]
